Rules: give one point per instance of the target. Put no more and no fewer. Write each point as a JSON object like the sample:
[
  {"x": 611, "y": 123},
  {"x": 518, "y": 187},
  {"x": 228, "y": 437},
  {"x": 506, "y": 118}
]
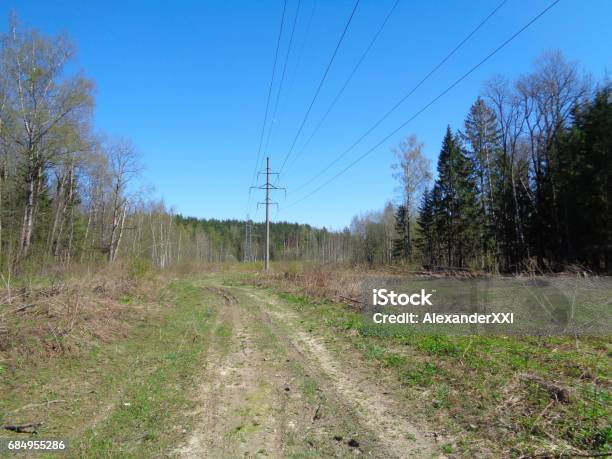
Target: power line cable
[
  {"x": 401, "y": 101},
  {"x": 263, "y": 128},
  {"x": 300, "y": 53},
  {"x": 350, "y": 77},
  {"x": 459, "y": 80},
  {"x": 280, "y": 86},
  {"x": 320, "y": 85}
]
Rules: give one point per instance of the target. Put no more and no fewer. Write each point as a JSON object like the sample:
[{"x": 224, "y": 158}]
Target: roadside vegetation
[
  {"x": 107, "y": 362},
  {"x": 521, "y": 396},
  {"x": 111, "y": 360}
]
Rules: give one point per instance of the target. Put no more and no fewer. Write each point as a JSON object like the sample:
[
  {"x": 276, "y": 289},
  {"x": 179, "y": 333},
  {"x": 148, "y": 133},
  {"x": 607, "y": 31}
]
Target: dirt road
[{"x": 272, "y": 388}]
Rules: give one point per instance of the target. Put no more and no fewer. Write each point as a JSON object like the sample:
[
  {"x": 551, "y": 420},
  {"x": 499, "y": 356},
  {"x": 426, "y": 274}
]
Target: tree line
[
  {"x": 67, "y": 193},
  {"x": 71, "y": 194},
  {"x": 526, "y": 184},
  {"x": 288, "y": 241}
]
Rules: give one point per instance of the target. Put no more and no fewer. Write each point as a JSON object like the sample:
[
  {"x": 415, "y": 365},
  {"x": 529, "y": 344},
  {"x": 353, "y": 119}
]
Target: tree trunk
[{"x": 28, "y": 213}]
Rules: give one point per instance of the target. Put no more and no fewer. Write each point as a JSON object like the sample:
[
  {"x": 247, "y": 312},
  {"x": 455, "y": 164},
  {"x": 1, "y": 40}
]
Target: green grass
[
  {"x": 309, "y": 387},
  {"x": 125, "y": 398},
  {"x": 474, "y": 385}
]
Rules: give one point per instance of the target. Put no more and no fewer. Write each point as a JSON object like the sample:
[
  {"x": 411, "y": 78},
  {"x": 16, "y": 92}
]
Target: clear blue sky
[{"x": 188, "y": 81}]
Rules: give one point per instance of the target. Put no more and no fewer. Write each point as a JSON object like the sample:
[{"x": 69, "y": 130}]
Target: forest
[
  {"x": 525, "y": 184},
  {"x": 69, "y": 194}
]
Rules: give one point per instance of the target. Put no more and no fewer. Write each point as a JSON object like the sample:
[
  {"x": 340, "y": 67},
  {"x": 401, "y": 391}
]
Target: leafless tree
[
  {"x": 125, "y": 164},
  {"x": 413, "y": 172}
]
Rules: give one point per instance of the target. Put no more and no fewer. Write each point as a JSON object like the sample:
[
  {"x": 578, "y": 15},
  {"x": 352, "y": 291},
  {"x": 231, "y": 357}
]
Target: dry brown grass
[
  {"x": 71, "y": 311},
  {"x": 344, "y": 284},
  {"x": 338, "y": 283}
]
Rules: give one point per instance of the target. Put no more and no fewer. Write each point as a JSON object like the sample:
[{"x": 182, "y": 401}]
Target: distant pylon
[{"x": 268, "y": 187}]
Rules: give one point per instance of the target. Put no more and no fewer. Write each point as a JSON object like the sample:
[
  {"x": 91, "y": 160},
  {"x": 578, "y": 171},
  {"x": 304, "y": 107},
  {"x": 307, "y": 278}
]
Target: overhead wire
[
  {"x": 263, "y": 128},
  {"x": 300, "y": 53},
  {"x": 346, "y": 82},
  {"x": 400, "y": 101},
  {"x": 280, "y": 86},
  {"x": 434, "y": 100},
  {"x": 316, "y": 94}
]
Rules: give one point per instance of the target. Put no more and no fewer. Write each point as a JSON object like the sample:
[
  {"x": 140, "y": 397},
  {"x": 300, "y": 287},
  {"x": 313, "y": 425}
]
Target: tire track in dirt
[
  {"x": 271, "y": 390},
  {"x": 236, "y": 405},
  {"x": 377, "y": 412}
]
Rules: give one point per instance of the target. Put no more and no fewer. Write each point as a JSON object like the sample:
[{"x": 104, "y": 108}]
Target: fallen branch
[
  {"x": 540, "y": 415},
  {"x": 23, "y": 308},
  {"x": 23, "y": 428},
  {"x": 33, "y": 405},
  {"x": 317, "y": 415},
  {"x": 349, "y": 299}
]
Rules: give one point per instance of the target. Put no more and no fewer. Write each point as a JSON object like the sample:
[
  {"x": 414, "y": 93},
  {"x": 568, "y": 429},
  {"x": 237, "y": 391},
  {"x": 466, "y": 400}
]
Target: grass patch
[
  {"x": 479, "y": 386},
  {"x": 124, "y": 398}
]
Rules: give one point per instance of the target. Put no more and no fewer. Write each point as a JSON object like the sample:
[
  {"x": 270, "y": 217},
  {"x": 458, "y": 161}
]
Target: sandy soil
[{"x": 272, "y": 389}]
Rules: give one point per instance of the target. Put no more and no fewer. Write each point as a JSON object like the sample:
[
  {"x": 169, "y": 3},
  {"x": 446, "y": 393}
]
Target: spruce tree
[
  {"x": 426, "y": 230},
  {"x": 585, "y": 183},
  {"x": 456, "y": 207},
  {"x": 482, "y": 140},
  {"x": 401, "y": 243}
]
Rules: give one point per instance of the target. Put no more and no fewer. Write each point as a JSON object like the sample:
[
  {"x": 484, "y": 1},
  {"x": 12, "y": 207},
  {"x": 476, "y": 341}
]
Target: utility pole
[
  {"x": 268, "y": 187},
  {"x": 267, "y": 262}
]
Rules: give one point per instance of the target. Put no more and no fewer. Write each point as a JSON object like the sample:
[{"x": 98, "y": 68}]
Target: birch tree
[
  {"x": 412, "y": 171},
  {"x": 42, "y": 99},
  {"x": 125, "y": 165}
]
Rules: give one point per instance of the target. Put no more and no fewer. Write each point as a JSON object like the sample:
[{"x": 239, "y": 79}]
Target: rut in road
[{"x": 272, "y": 390}]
